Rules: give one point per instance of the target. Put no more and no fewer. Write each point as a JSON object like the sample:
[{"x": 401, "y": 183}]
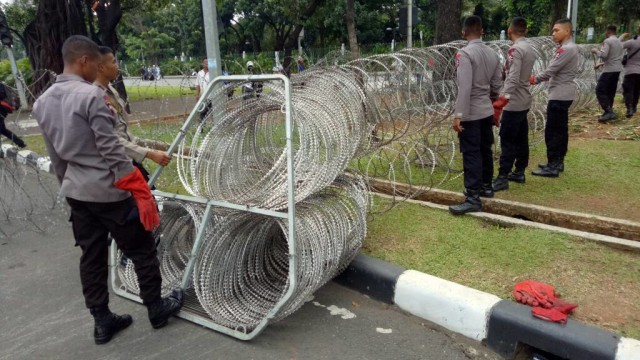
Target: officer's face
[
  {"x": 560, "y": 33},
  {"x": 109, "y": 67}
]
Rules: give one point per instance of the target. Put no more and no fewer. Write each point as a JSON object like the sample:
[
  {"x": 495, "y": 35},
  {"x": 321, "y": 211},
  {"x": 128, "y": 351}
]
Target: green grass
[
  {"x": 137, "y": 93},
  {"x": 492, "y": 259}
]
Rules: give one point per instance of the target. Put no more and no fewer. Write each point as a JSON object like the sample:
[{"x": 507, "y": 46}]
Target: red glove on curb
[
  {"x": 498, "y": 105},
  {"x": 532, "y": 80},
  {"x": 533, "y": 293},
  {"x": 549, "y": 315},
  {"x": 135, "y": 183}
]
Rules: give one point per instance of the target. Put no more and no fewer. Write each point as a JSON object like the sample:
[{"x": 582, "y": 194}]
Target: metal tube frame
[{"x": 210, "y": 203}]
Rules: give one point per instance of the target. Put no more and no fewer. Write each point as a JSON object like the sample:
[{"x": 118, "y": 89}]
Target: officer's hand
[
  {"x": 594, "y": 50},
  {"x": 457, "y": 126},
  {"x": 159, "y": 157},
  {"x": 624, "y": 36},
  {"x": 597, "y": 66}
]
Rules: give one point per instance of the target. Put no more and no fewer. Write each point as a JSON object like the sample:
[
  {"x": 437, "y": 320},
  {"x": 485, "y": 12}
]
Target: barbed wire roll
[
  {"x": 241, "y": 157},
  {"x": 242, "y": 270},
  {"x": 179, "y": 224}
]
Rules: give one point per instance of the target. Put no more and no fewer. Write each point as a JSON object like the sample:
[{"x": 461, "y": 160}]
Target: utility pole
[
  {"x": 409, "y": 23},
  {"x": 7, "y": 40},
  {"x": 212, "y": 41},
  {"x": 572, "y": 13}
]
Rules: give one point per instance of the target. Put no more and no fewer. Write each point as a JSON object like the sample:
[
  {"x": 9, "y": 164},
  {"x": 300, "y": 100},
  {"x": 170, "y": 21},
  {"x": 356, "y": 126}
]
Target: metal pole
[
  {"x": 18, "y": 76},
  {"x": 409, "y": 23},
  {"x": 210, "y": 16},
  {"x": 574, "y": 17}
]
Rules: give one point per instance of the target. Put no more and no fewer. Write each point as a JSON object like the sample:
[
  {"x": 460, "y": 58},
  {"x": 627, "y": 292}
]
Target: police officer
[
  {"x": 479, "y": 76},
  {"x": 631, "y": 82},
  {"x": 610, "y": 53},
  {"x": 514, "y": 127},
  {"x": 560, "y": 73},
  {"x": 107, "y": 72},
  {"x": 105, "y": 192}
]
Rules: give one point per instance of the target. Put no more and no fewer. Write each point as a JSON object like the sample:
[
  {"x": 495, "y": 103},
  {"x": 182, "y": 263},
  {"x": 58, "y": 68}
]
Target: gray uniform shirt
[
  {"x": 518, "y": 69},
  {"x": 611, "y": 53},
  {"x": 79, "y": 132},
  {"x": 561, "y": 72},
  {"x": 479, "y": 76},
  {"x": 128, "y": 140},
  {"x": 633, "y": 63}
]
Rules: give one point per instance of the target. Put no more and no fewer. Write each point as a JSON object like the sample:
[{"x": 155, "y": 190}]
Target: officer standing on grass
[
  {"x": 631, "y": 82},
  {"x": 479, "y": 78},
  {"x": 514, "y": 127},
  {"x": 560, "y": 73},
  {"x": 610, "y": 53},
  {"x": 105, "y": 192}
]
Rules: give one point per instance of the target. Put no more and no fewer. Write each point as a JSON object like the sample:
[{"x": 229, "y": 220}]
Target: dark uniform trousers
[
  {"x": 514, "y": 141},
  {"x": 91, "y": 223},
  {"x": 631, "y": 90},
  {"x": 556, "y": 131},
  {"x": 606, "y": 89},
  {"x": 477, "y": 156}
]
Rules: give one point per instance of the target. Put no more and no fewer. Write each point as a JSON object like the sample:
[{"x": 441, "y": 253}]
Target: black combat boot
[
  {"x": 160, "y": 311},
  {"x": 551, "y": 170},
  {"x": 487, "y": 190},
  {"x": 501, "y": 183},
  {"x": 517, "y": 176},
  {"x": 471, "y": 203},
  {"x": 629, "y": 112},
  {"x": 107, "y": 323},
  {"x": 560, "y": 167},
  {"x": 608, "y": 115}
]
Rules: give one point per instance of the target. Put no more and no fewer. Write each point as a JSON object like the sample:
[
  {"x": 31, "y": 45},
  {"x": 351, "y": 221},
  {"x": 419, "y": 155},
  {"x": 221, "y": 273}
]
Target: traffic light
[{"x": 5, "y": 34}]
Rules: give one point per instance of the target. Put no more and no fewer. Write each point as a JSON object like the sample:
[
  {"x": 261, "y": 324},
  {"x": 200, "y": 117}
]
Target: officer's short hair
[
  {"x": 565, "y": 22},
  {"x": 105, "y": 50},
  {"x": 519, "y": 25},
  {"x": 472, "y": 24},
  {"x": 612, "y": 28},
  {"x": 77, "y": 46}
]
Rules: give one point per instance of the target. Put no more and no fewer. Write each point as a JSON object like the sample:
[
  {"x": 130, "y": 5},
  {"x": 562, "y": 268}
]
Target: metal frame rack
[{"x": 191, "y": 313}]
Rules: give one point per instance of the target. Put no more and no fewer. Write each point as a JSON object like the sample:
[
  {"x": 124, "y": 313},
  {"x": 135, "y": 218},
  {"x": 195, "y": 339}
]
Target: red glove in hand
[
  {"x": 533, "y": 293},
  {"x": 135, "y": 183},
  {"x": 549, "y": 315},
  {"x": 532, "y": 80},
  {"x": 498, "y": 105}
]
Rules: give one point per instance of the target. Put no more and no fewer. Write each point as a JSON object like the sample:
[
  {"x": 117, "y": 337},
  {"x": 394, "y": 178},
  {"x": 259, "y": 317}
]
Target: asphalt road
[{"x": 42, "y": 316}]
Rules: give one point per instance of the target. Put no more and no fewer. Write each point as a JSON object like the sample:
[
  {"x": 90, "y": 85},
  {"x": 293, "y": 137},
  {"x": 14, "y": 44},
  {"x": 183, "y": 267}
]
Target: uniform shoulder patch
[
  {"x": 510, "y": 53},
  {"x": 458, "y": 59},
  {"x": 558, "y": 53},
  {"x": 107, "y": 102}
]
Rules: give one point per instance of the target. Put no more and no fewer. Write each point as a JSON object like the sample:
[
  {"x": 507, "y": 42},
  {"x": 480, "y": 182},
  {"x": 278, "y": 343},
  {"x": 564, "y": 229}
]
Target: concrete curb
[
  {"x": 27, "y": 157},
  {"x": 502, "y": 325}
]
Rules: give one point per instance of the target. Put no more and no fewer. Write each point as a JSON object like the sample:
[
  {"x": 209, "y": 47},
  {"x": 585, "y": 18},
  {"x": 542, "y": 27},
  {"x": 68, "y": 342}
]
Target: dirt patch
[{"x": 584, "y": 124}]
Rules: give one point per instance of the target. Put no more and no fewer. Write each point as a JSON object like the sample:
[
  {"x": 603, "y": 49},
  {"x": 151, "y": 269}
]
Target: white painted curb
[
  {"x": 453, "y": 306},
  {"x": 628, "y": 349}
]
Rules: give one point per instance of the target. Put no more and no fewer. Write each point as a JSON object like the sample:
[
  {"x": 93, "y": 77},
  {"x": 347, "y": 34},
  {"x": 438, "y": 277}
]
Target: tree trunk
[
  {"x": 448, "y": 25},
  {"x": 559, "y": 12},
  {"x": 55, "y": 21},
  {"x": 291, "y": 41},
  {"x": 350, "y": 19}
]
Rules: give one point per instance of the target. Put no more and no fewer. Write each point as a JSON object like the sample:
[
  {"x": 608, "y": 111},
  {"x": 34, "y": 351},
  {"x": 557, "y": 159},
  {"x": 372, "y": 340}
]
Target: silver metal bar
[
  {"x": 409, "y": 23},
  {"x": 18, "y": 77},
  {"x": 195, "y": 250},
  {"x": 220, "y": 203}
]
